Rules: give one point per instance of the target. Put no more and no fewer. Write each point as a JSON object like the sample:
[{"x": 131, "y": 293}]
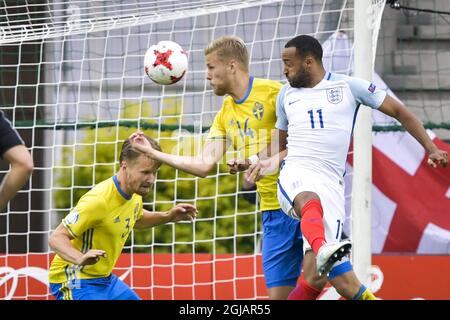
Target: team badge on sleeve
[
  {"x": 72, "y": 217},
  {"x": 335, "y": 95},
  {"x": 372, "y": 88}
]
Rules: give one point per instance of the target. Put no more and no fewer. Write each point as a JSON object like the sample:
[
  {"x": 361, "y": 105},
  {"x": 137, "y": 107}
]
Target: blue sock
[{"x": 360, "y": 292}]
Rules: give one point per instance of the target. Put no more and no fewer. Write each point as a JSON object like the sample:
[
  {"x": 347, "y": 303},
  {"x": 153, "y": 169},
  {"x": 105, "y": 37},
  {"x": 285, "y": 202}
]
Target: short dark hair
[
  {"x": 128, "y": 153},
  {"x": 306, "y": 45}
]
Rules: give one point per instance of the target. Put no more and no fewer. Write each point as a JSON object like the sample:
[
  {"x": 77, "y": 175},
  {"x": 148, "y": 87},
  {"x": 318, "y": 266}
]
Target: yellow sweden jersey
[
  {"x": 102, "y": 219},
  {"x": 248, "y": 124}
]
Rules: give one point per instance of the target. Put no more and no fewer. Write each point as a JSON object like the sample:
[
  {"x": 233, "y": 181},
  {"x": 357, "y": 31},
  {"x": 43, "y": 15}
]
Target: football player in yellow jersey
[
  {"x": 91, "y": 237},
  {"x": 245, "y": 121}
]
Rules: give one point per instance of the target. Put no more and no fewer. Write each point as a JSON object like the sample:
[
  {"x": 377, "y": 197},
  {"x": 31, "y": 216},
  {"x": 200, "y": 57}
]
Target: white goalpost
[
  {"x": 72, "y": 83},
  {"x": 367, "y": 21}
]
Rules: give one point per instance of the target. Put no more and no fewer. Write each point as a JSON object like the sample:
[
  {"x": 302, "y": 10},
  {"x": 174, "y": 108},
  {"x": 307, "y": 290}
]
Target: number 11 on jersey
[{"x": 311, "y": 117}]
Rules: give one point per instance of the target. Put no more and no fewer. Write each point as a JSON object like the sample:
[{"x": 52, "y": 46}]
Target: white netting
[{"x": 73, "y": 83}]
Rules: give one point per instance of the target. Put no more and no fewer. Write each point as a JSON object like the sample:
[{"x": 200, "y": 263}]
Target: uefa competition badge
[{"x": 72, "y": 217}]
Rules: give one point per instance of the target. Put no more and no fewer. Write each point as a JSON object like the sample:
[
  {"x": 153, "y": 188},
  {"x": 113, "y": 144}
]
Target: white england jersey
[{"x": 320, "y": 120}]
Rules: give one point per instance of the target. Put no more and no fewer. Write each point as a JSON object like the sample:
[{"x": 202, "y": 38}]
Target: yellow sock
[
  {"x": 367, "y": 295},
  {"x": 364, "y": 294}
]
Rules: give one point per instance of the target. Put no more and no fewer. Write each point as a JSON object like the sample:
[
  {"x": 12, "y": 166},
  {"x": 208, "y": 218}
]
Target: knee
[{"x": 303, "y": 198}]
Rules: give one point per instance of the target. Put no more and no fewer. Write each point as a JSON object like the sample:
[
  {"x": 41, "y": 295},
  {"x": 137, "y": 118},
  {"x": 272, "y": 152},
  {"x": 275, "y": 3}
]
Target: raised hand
[
  {"x": 438, "y": 157},
  {"x": 139, "y": 143},
  {"x": 262, "y": 168},
  {"x": 183, "y": 211}
]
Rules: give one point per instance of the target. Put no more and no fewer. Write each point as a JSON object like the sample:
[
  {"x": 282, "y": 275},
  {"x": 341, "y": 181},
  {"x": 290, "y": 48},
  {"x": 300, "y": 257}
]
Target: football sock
[
  {"x": 312, "y": 224},
  {"x": 364, "y": 294},
  {"x": 304, "y": 291}
]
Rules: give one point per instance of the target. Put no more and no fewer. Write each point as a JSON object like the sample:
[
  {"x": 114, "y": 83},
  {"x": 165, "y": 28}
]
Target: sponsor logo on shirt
[{"x": 291, "y": 102}]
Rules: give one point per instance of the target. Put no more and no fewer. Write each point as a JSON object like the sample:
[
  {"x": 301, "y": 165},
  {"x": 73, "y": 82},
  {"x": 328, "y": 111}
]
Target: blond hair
[{"x": 230, "y": 47}]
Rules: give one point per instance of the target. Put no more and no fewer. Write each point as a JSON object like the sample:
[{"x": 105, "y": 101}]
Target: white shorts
[{"x": 294, "y": 180}]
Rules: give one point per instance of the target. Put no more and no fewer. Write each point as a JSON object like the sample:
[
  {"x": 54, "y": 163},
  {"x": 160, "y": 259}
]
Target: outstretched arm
[
  {"x": 199, "y": 166},
  {"x": 21, "y": 168},
  {"x": 395, "y": 109},
  {"x": 186, "y": 212}
]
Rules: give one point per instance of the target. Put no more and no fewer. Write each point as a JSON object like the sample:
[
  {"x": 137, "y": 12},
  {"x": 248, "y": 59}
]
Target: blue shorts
[
  {"x": 109, "y": 288},
  {"x": 282, "y": 249}
]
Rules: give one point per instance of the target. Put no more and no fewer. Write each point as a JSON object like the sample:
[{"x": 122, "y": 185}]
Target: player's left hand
[
  {"x": 183, "y": 211},
  {"x": 260, "y": 169},
  {"x": 139, "y": 143},
  {"x": 438, "y": 157}
]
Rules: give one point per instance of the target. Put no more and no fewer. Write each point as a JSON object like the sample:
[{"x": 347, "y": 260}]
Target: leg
[
  {"x": 282, "y": 253},
  {"x": 21, "y": 168},
  {"x": 318, "y": 229},
  {"x": 312, "y": 284},
  {"x": 308, "y": 208},
  {"x": 344, "y": 280},
  {"x": 279, "y": 292},
  {"x": 309, "y": 272},
  {"x": 290, "y": 187},
  {"x": 347, "y": 284},
  {"x": 302, "y": 204},
  {"x": 302, "y": 194}
]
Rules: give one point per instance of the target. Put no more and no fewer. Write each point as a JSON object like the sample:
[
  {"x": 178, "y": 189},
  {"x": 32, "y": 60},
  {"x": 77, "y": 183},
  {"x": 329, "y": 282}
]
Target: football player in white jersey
[{"x": 316, "y": 112}]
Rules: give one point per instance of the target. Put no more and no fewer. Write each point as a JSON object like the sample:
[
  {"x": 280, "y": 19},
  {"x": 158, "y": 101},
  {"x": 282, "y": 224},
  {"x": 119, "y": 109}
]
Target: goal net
[{"x": 72, "y": 83}]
